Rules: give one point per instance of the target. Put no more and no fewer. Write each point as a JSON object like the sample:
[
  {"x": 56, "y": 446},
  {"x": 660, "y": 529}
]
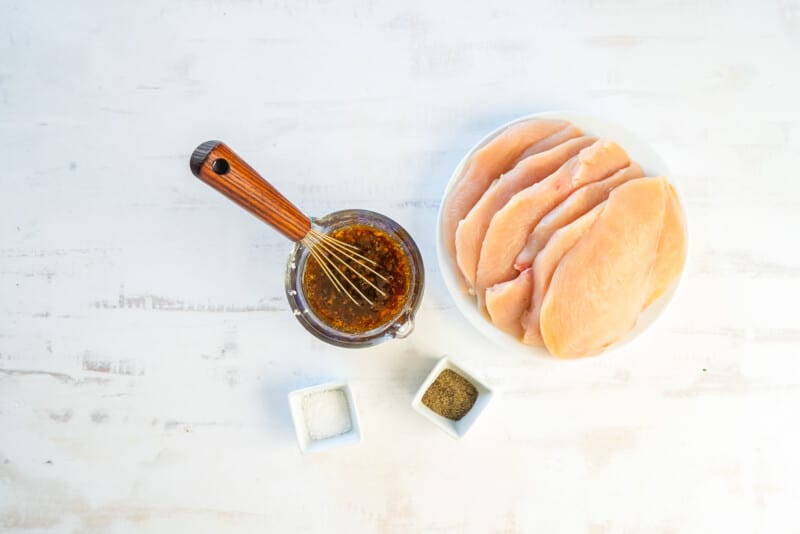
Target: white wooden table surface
[{"x": 146, "y": 347}]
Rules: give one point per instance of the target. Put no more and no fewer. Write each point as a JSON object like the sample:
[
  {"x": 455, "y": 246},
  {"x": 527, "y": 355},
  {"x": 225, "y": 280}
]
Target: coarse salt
[{"x": 327, "y": 414}]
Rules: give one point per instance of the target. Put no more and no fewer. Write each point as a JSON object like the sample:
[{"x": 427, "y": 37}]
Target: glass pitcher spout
[{"x": 403, "y": 327}]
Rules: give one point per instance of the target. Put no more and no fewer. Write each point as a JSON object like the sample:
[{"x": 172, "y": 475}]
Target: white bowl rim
[{"x": 639, "y": 151}]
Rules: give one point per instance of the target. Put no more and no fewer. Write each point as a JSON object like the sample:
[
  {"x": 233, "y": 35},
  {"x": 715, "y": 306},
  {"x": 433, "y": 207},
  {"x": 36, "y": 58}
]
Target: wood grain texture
[
  {"x": 146, "y": 346},
  {"x": 221, "y": 168}
]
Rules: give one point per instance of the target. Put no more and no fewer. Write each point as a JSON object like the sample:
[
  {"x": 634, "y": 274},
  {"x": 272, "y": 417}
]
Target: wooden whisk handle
[{"x": 221, "y": 168}]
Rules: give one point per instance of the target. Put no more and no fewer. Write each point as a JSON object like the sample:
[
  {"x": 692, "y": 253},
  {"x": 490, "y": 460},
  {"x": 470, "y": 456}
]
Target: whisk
[{"x": 221, "y": 168}]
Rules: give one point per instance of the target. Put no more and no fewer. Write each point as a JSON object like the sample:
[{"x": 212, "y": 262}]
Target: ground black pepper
[{"x": 450, "y": 395}]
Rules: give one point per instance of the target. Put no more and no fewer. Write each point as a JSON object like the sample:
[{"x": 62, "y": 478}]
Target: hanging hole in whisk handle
[{"x": 221, "y": 168}]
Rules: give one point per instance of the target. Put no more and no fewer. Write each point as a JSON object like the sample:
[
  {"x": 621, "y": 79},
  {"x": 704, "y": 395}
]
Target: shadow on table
[
  {"x": 417, "y": 367},
  {"x": 275, "y": 400},
  {"x": 277, "y": 417}
]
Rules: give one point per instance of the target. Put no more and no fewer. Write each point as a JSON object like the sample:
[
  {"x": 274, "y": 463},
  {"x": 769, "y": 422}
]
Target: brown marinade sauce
[{"x": 336, "y": 309}]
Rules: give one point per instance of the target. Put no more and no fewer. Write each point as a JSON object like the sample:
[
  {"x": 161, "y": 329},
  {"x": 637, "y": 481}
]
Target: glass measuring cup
[{"x": 399, "y": 326}]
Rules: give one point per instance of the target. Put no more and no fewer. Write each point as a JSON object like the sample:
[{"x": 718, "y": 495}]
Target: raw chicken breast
[
  {"x": 528, "y": 171},
  {"x": 671, "y": 248},
  {"x": 506, "y": 301},
  {"x": 603, "y": 282},
  {"x": 545, "y": 265},
  {"x": 578, "y": 203},
  {"x": 493, "y": 159},
  {"x": 511, "y": 226}
]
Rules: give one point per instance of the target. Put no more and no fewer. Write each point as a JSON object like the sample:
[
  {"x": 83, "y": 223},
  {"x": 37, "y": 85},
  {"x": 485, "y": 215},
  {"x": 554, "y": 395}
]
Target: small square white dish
[
  {"x": 455, "y": 429},
  {"x": 324, "y": 399}
]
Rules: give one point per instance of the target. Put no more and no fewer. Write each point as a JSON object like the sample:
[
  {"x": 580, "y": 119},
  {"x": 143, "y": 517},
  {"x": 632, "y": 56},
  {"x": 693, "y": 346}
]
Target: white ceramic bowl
[
  {"x": 304, "y": 440},
  {"x": 455, "y": 429},
  {"x": 637, "y": 149}
]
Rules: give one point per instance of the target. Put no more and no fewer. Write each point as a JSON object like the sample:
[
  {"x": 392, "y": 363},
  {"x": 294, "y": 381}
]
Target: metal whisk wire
[
  {"x": 330, "y": 254},
  {"x": 221, "y": 168}
]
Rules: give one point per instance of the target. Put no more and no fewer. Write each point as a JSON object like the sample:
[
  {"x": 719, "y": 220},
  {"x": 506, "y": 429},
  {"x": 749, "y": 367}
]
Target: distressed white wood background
[{"x": 146, "y": 348}]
